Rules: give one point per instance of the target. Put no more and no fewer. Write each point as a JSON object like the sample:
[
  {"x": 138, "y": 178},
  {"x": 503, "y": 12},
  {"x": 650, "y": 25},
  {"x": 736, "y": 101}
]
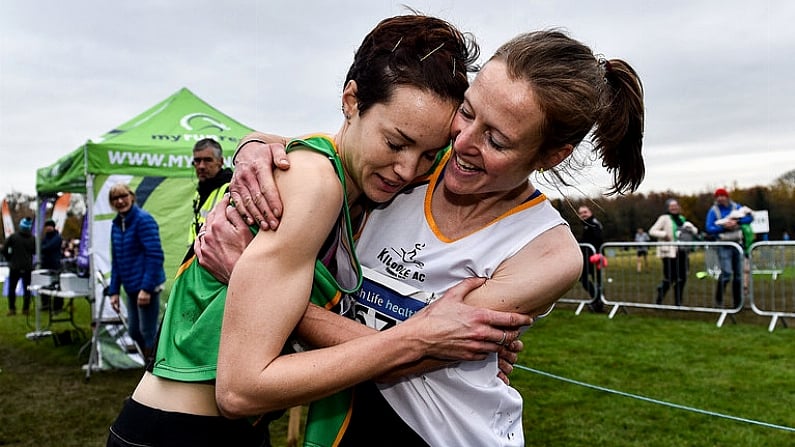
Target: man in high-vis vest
[{"x": 214, "y": 178}]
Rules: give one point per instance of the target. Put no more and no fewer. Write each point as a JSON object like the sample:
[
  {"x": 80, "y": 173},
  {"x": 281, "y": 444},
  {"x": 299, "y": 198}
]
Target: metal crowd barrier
[
  {"x": 767, "y": 279},
  {"x": 772, "y": 287}
]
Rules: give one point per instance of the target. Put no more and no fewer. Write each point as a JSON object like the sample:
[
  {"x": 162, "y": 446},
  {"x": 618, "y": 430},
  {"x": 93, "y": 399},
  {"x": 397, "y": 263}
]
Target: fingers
[
  {"x": 516, "y": 347},
  {"x": 197, "y": 246},
  {"x": 507, "y": 355},
  {"x": 280, "y": 155},
  {"x": 504, "y": 338},
  {"x": 507, "y": 319},
  {"x": 114, "y": 303},
  {"x": 244, "y": 186},
  {"x": 246, "y": 196},
  {"x": 231, "y": 213},
  {"x": 253, "y": 188},
  {"x": 222, "y": 240},
  {"x": 270, "y": 198},
  {"x": 505, "y": 369}
]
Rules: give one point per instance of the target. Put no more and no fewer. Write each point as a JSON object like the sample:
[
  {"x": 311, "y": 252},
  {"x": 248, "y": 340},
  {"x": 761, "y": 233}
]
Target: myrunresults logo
[
  {"x": 200, "y": 122},
  {"x": 199, "y": 126}
]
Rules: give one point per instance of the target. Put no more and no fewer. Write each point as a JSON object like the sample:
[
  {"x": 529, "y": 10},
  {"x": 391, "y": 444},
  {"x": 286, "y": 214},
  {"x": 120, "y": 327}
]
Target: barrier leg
[{"x": 772, "y": 323}]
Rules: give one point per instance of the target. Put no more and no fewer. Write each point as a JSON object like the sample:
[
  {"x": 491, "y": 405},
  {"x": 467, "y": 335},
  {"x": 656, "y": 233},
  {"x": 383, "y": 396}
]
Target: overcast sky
[{"x": 718, "y": 75}]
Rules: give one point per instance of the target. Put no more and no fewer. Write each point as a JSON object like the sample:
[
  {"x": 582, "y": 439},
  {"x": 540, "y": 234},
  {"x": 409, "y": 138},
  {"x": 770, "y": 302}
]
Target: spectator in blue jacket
[
  {"x": 724, "y": 220},
  {"x": 136, "y": 266}
]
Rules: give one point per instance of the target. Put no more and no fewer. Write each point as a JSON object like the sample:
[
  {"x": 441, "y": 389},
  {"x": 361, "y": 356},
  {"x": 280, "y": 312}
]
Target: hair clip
[
  {"x": 432, "y": 51},
  {"x": 398, "y": 43}
]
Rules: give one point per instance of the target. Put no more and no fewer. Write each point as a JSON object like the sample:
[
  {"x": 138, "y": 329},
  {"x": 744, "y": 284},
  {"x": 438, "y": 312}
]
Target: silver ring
[
  {"x": 201, "y": 233},
  {"x": 504, "y": 337}
]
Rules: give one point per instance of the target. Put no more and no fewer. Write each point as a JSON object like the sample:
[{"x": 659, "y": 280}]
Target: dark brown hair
[
  {"x": 414, "y": 50},
  {"x": 578, "y": 94}
]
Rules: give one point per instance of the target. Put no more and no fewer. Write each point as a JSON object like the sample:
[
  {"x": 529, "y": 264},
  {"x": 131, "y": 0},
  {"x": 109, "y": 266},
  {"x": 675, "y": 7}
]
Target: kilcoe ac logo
[
  {"x": 201, "y": 122},
  {"x": 402, "y": 263}
]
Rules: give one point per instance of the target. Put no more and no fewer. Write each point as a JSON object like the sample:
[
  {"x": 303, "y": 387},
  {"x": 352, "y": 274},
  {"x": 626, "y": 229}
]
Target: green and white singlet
[{"x": 191, "y": 329}]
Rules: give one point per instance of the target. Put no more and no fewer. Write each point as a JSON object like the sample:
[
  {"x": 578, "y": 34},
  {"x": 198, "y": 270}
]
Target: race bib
[{"x": 383, "y": 302}]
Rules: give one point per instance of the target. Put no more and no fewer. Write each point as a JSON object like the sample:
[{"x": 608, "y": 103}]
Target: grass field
[{"x": 739, "y": 370}]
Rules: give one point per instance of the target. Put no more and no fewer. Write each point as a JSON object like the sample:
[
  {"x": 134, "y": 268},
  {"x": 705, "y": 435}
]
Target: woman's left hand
[
  {"x": 507, "y": 357},
  {"x": 144, "y": 298},
  {"x": 253, "y": 188},
  {"x": 449, "y": 329}
]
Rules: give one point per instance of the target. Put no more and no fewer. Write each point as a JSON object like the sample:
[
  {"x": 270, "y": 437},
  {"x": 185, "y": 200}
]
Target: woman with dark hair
[{"x": 219, "y": 357}]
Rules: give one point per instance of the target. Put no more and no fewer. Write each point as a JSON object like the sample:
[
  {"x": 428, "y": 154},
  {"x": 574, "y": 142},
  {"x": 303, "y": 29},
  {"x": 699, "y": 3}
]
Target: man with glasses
[{"x": 214, "y": 178}]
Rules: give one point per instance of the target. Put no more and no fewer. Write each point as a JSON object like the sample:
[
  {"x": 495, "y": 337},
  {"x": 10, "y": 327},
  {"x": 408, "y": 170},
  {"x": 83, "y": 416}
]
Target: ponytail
[{"x": 618, "y": 134}]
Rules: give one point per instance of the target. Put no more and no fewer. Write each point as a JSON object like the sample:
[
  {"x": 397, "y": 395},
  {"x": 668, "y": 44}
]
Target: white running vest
[{"x": 465, "y": 405}]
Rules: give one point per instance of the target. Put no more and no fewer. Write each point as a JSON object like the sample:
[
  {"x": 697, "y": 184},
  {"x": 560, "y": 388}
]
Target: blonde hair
[{"x": 119, "y": 188}]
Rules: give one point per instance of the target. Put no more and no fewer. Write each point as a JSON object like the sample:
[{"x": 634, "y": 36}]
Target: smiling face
[
  {"x": 393, "y": 142},
  {"x": 496, "y": 133},
  {"x": 121, "y": 198}
]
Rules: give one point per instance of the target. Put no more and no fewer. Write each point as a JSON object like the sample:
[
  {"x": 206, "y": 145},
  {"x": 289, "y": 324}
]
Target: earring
[{"x": 540, "y": 170}]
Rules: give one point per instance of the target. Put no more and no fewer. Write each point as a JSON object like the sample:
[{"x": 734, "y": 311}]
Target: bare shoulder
[
  {"x": 558, "y": 242},
  {"x": 311, "y": 174},
  {"x": 313, "y": 196}
]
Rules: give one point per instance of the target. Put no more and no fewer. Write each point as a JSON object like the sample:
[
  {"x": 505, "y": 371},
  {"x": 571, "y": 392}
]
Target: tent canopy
[
  {"x": 157, "y": 142},
  {"x": 152, "y": 153}
]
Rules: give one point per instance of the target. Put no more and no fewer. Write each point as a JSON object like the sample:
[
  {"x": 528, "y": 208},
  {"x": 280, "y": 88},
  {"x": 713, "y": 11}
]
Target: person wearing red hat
[{"x": 723, "y": 222}]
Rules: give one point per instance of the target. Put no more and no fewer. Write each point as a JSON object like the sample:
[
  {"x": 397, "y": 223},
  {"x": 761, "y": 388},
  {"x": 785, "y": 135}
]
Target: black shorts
[
  {"x": 139, "y": 425},
  {"x": 374, "y": 422}
]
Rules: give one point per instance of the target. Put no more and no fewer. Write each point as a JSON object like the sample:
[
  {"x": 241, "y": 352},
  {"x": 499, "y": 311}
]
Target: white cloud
[{"x": 717, "y": 74}]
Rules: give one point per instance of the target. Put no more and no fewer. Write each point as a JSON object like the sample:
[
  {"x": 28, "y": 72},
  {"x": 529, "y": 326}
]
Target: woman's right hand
[
  {"x": 252, "y": 188},
  {"x": 114, "y": 303},
  {"x": 449, "y": 329},
  {"x": 221, "y": 240}
]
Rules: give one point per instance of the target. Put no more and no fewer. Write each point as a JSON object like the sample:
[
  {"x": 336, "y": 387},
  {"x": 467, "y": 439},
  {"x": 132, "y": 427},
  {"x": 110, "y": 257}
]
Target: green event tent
[{"x": 152, "y": 153}]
